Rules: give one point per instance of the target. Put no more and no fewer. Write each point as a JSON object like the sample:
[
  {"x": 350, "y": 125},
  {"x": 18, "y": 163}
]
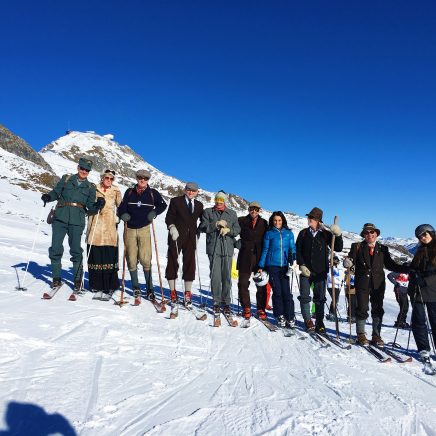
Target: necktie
[
  {"x": 191, "y": 209},
  {"x": 371, "y": 250}
]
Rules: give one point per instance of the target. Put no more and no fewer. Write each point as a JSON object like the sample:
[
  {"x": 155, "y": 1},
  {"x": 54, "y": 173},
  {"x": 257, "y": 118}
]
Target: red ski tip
[{"x": 46, "y": 296}]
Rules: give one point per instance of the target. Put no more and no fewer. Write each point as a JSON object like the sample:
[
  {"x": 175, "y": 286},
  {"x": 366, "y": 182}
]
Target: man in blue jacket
[{"x": 140, "y": 205}]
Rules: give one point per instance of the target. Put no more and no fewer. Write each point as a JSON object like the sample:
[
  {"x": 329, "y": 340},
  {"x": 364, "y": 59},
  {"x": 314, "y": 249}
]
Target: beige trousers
[{"x": 138, "y": 247}]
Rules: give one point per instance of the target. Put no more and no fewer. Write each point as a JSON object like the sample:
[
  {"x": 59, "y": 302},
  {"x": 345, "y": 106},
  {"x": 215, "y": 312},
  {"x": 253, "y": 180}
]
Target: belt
[{"x": 71, "y": 204}]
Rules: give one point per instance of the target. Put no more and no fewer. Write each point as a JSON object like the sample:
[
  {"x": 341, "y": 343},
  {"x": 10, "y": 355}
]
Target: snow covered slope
[{"x": 92, "y": 368}]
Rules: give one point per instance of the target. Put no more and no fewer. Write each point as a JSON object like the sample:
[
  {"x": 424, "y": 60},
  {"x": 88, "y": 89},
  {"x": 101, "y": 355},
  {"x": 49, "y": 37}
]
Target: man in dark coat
[
  {"x": 253, "y": 228},
  {"x": 181, "y": 219},
  {"x": 313, "y": 249},
  {"x": 369, "y": 257},
  {"x": 140, "y": 206}
]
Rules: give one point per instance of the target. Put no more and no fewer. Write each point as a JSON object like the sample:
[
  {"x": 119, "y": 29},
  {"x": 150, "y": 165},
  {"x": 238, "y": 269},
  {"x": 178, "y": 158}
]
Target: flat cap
[
  {"x": 85, "y": 163},
  {"x": 143, "y": 173},
  {"x": 191, "y": 186}
]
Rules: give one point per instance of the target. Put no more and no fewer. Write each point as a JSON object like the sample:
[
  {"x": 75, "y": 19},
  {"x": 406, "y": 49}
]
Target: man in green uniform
[{"x": 76, "y": 197}]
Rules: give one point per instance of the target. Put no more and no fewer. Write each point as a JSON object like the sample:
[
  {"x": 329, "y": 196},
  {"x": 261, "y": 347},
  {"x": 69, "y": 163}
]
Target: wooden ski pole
[
  {"x": 158, "y": 268},
  {"x": 332, "y": 254},
  {"x": 348, "y": 286},
  {"x": 121, "y": 302}
]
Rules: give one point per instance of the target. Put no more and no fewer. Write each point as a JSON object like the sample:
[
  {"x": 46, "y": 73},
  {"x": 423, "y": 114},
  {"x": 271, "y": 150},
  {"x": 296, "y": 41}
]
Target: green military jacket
[{"x": 72, "y": 192}]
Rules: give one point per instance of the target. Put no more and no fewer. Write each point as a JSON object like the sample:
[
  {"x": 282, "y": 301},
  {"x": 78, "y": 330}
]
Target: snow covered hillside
[{"x": 89, "y": 367}]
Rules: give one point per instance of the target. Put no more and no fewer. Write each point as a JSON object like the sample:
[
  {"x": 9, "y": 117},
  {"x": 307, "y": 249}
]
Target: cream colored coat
[{"x": 106, "y": 230}]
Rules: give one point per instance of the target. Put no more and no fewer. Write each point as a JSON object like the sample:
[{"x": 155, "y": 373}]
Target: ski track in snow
[{"x": 132, "y": 371}]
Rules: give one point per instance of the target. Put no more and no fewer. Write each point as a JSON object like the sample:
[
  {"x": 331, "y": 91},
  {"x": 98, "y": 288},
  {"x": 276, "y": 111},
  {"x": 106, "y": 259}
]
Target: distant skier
[
  {"x": 422, "y": 289},
  {"x": 253, "y": 228},
  {"x": 401, "y": 284},
  {"x": 140, "y": 206},
  {"x": 370, "y": 258},
  {"x": 313, "y": 248},
  {"x": 278, "y": 252},
  {"x": 339, "y": 281},
  {"x": 221, "y": 227},
  {"x": 181, "y": 219},
  {"x": 76, "y": 197}
]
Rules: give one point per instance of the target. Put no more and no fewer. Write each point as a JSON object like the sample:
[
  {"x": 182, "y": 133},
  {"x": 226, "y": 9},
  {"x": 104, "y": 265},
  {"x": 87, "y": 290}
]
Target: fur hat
[
  {"x": 221, "y": 195},
  {"x": 316, "y": 214},
  {"x": 368, "y": 227}
]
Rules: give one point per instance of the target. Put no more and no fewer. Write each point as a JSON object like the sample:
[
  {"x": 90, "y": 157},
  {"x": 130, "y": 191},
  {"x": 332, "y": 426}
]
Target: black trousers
[
  {"x": 373, "y": 296},
  {"x": 419, "y": 327},
  {"x": 403, "y": 301}
]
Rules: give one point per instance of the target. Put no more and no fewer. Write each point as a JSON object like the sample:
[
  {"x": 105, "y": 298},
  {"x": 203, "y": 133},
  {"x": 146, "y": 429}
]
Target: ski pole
[
  {"x": 158, "y": 267},
  {"x": 121, "y": 302},
  {"x": 332, "y": 253},
  {"x": 199, "y": 278},
  {"x": 348, "y": 286},
  {"x": 90, "y": 246},
  {"x": 22, "y": 288},
  {"x": 427, "y": 321}
]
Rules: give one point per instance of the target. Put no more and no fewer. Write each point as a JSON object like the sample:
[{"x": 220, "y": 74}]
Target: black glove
[
  {"x": 151, "y": 215},
  {"x": 45, "y": 198},
  {"x": 99, "y": 204},
  {"x": 125, "y": 217}
]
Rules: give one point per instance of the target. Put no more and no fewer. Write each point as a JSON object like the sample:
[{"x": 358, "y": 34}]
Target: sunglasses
[
  {"x": 108, "y": 178},
  {"x": 369, "y": 232},
  {"x": 84, "y": 169},
  {"x": 142, "y": 178},
  {"x": 423, "y": 235},
  {"x": 253, "y": 208},
  {"x": 110, "y": 171}
]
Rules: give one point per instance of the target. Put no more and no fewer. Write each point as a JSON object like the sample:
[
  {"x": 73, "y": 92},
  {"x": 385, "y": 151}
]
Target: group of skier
[{"x": 267, "y": 253}]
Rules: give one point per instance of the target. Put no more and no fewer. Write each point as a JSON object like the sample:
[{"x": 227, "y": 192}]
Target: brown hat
[
  {"x": 143, "y": 173},
  {"x": 316, "y": 214},
  {"x": 368, "y": 227},
  {"x": 254, "y": 204}
]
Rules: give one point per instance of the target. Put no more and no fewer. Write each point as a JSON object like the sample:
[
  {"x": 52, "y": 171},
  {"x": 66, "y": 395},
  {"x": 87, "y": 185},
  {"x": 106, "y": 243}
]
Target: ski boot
[
  {"x": 246, "y": 313},
  {"x": 310, "y": 327},
  {"x": 377, "y": 341},
  {"x": 261, "y": 314},
  {"x": 188, "y": 298},
  {"x": 56, "y": 283},
  {"x": 319, "y": 327},
  {"x": 281, "y": 322},
  {"x": 330, "y": 317},
  {"x": 362, "y": 339},
  {"x": 216, "y": 315},
  {"x": 290, "y": 324},
  {"x": 137, "y": 295},
  {"x": 151, "y": 295},
  {"x": 78, "y": 286}
]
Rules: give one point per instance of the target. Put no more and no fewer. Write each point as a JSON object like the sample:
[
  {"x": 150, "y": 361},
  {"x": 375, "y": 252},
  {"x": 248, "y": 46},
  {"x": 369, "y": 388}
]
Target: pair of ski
[
  {"x": 227, "y": 315},
  {"x": 53, "y": 291},
  {"x": 385, "y": 355},
  {"x": 200, "y": 314}
]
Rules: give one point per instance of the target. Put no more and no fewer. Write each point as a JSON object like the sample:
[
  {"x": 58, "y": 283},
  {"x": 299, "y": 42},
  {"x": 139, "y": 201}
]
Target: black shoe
[
  {"x": 216, "y": 309},
  {"x": 281, "y": 321},
  {"x": 151, "y": 296},
  {"x": 319, "y": 327},
  {"x": 56, "y": 283},
  {"x": 78, "y": 286},
  {"x": 226, "y": 309},
  {"x": 136, "y": 292}
]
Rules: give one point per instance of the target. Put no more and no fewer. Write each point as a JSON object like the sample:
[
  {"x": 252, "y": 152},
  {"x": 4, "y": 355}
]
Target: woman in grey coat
[{"x": 221, "y": 226}]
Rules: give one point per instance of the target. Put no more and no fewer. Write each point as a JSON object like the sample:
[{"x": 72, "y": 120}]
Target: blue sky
[{"x": 294, "y": 104}]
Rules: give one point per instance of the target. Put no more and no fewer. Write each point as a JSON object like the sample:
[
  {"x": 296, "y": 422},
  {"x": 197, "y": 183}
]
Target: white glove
[
  {"x": 336, "y": 230},
  {"x": 348, "y": 262},
  {"x": 173, "y": 232},
  {"x": 224, "y": 231},
  {"x": 221, "y": 223},
  {"x": 305, "y": 271}
]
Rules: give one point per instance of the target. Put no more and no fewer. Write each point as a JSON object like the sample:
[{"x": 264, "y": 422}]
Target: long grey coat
[{"x": 208, "y": 225}]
